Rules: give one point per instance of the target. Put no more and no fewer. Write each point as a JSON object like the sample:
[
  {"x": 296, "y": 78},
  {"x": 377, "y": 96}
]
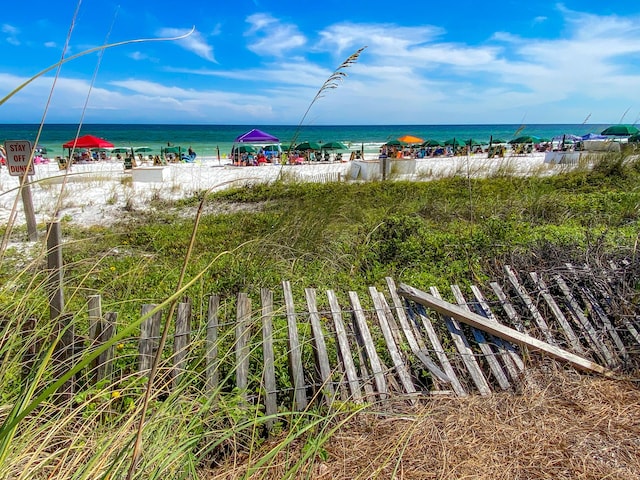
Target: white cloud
[
  {"x": 10, "y": 34},
  {"x": 271, "y": 37},
  {"x": 194, "y": 43},
  {"x": 137, "y": 55},
  {"x": 50, "y": 44}
]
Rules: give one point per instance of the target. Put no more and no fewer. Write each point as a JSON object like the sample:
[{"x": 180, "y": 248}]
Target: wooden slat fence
[{"x": 303, "y": 347}]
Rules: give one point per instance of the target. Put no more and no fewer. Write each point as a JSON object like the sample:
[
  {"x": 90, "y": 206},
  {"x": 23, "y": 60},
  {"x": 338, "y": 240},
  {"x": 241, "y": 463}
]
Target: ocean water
[{"x": 207, "y": 140}]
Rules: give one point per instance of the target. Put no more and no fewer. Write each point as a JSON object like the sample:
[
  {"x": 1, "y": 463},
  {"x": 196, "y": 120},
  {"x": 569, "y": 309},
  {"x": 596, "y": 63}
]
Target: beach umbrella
[
  {"x": 454, "y": 142},
  {"x": 334, "y": 146},
  {"x": 121, "y": 150},
  {"x": 273, "y": 148},
  {"x": 634, "y": 138},
  {"x": 620, "y": 130},
  {"x": 143, "y": 149},
  {"x": 471, "y": 142},
  {"x": 396, "y": 143},
  {"x": 308, "y": 146},
  {"x": 172, "y": 149},
  {"x": 246, "y": 149},
  {"x": 432, "y": 143},
  {"x": 495, "y": 141},
  {"x": 410, "y": 139},
  {"x": 526, "y": 139}
]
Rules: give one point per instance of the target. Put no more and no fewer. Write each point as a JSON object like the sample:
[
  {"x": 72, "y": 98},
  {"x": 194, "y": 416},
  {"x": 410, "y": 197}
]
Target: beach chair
[{"x": 63, "y": 163}]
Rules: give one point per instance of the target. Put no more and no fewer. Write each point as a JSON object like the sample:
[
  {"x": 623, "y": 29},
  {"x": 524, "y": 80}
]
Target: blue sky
[{"x": 263, "y": 61}]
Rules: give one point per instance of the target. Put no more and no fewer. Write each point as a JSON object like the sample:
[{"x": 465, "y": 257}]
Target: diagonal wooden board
[{"x": 500, "y": 331}]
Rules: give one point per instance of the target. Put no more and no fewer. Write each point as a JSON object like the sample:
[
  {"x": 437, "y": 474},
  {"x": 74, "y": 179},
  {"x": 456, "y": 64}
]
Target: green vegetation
[{"x": 329, "y": 236}]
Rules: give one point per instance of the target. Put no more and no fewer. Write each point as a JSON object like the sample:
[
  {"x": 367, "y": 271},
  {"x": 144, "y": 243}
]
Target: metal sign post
[{"x": 20, "y": 163}]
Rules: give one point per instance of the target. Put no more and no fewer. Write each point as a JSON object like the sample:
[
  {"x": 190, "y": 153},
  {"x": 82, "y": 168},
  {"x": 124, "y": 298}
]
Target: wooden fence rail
[{"x": 399, "y": 342}]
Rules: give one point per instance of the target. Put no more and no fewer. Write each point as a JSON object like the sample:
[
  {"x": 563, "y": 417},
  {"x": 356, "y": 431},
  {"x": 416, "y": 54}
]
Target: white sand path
[{"x": 97, "y": 193}]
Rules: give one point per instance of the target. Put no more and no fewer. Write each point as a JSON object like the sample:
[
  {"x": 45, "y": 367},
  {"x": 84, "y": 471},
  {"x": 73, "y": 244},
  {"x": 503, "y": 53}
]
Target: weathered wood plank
[
  {"x": 211, "y": 345},
  {"x": 533, "y": 309},
  {"x": 489, "y": 355},
  {"x": 107, "y": 329},
  {"x": 503, "y": 332},
  {"x": 320, "y": 348},
  {"x": 419, "y": 351},
  {"x": 598, "y": 312},
  {"x": 508, "y": 308},
  {"x": 631, "y": 328},
  {"x": 181, "y": 341},
  {"x": 396, "y": 356},
  {"x": 582, "y": 321},
  {"x": 567, "y": 330},
  {"x": 360, "y": 322},
  {"x": 464, "y": 349},
  {"x": 243, "y": 334},
  {"x": 512, "y": 359},
  {"x": 269, "y": 372},
  {"x": 408, "y": 327},
  {"x": 344, "y": 350},
  {"x": 94, "y": 307},
  {"x": 295, "y": 351},
  {"x": 440, "y": 353},
  {"x": 149, "y": 338},
  {"x": 95, "y": 315}
]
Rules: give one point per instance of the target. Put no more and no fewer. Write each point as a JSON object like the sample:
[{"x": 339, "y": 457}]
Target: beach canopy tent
[
  {"x": 256, "y": 136},
  {"x": 621, "y": 130},
  {"x": 88, "y": 141}
]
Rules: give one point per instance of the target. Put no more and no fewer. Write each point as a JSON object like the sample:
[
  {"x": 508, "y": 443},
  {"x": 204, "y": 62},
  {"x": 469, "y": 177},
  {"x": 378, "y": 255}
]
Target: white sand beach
[{"x": 99, "y": 192}]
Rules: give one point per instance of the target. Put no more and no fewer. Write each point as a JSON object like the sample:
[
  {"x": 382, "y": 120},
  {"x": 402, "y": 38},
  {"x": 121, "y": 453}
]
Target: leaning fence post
[
  {"x": 149, "y": 338},
  {"x": 63, "y": 356},
  {"x": 56, "y": 275},
  {"x": 104, "y": 335},
  {"x": 211, "y": 352},
  {"x": 269, "y": 375},
  {"x": 95, "y": 327},
  {"x": 181, "y": 341},
  {"x": 243, "y": 334}
]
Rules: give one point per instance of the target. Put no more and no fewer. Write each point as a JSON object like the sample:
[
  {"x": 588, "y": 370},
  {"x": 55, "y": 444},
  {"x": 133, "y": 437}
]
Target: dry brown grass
[{"x": 568, "y": 427}]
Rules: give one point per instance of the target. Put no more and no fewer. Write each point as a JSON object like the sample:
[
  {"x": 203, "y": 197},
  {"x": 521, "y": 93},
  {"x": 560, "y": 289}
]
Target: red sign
[{"x": 18, "y": 155}]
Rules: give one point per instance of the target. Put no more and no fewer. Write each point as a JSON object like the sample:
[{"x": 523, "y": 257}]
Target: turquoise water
[{"x": 205, "y": 140}]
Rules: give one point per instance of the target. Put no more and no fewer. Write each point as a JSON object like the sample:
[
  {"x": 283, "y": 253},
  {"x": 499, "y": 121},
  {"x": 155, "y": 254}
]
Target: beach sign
[{"x": 18, "y": 155}]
